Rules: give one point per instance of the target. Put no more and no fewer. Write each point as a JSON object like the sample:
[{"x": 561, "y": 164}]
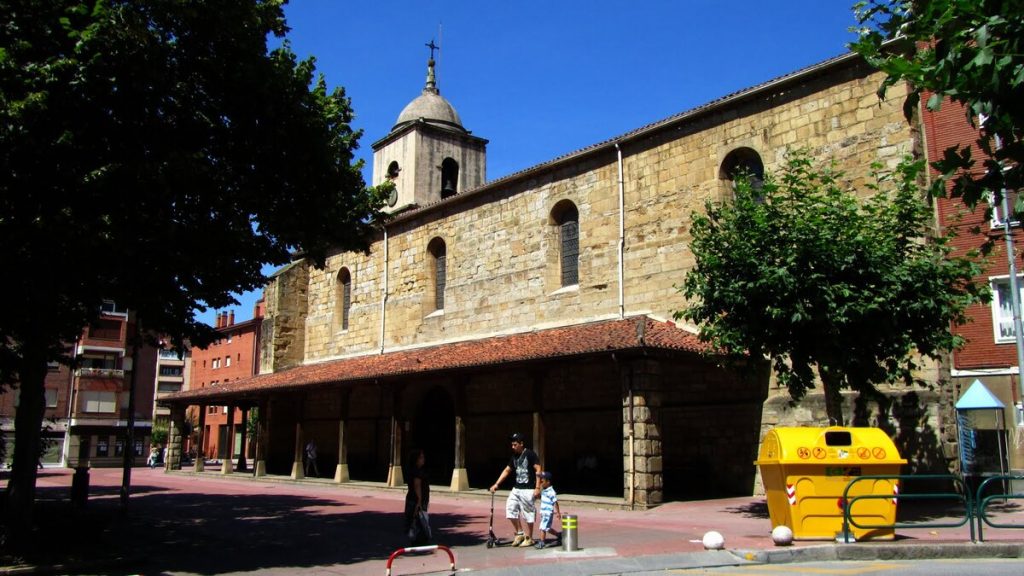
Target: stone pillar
[
  {"x": 227, "y": 466},
  {"x": 341, "y": 472},
  {"x": 262, "y": 438},
  {"x": 174, "y": 438},
  {"x": 460, "y": 479},
  {"x": 641, "y": 432},
  {"x": 297, "y": 472},
  {"x": 241, "y": 466},
  {"x": 200, "y": 462}
]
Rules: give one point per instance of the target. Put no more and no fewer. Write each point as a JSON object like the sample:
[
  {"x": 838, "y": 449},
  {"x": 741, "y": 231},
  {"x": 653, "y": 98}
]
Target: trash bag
[{"x": 419, "y": 532}]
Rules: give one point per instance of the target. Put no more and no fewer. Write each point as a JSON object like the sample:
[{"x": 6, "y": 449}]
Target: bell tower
[{"x": 428, "y": 154}]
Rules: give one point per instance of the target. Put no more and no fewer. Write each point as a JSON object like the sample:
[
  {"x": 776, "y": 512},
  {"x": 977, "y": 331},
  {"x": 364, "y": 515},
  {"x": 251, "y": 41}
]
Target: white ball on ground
[
  {"x": 782, "y": 535},
  {"x": 713, "y": 541}
]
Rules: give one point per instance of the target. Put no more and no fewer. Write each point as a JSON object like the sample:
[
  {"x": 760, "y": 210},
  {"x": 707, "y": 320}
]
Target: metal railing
[
  {"x": 962, "y": 497},
  {"x": 981, "y": 509}
]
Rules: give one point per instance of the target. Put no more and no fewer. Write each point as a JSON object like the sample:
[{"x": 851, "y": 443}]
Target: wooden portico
[{"x": 628, "y": 407}]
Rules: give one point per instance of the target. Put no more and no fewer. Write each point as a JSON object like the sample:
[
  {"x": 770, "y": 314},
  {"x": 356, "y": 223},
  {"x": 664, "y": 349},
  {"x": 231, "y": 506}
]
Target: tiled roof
[{"x": 636, "y": 333}]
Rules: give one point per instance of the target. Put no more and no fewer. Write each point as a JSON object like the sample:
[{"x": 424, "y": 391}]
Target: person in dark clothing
[{"x": 417, "y": 499}]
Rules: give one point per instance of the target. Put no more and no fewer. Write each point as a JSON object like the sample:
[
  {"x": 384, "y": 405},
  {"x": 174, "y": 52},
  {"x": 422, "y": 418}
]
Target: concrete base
[
  {"x": 395, "y": 478},
  {"x": 261, "y": 468},
  {"x": 297, "y": 472},
  {"x": 341, "y": 473},
  {"x": 460, "y": 480},
  {"x": 199, "y": 465},
  {"x": 227, "y": 467}
]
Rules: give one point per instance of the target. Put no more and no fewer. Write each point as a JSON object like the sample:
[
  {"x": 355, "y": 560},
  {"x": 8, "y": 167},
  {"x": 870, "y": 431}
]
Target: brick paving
[{"x": 184, "y": 523}]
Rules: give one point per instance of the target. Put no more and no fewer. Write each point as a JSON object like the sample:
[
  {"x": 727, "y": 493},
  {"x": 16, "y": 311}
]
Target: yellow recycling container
[{"x": 806, "y": 470}]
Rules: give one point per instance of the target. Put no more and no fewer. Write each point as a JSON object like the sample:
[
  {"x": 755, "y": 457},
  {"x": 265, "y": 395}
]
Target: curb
[{"x": 830, "y": 552}]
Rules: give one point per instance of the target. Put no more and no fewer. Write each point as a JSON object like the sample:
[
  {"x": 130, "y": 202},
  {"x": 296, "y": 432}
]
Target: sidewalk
[{"x": 185, "y": 523}]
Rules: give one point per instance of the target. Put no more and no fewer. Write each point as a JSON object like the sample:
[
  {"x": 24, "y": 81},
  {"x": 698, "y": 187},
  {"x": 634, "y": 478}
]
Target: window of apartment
[
  {"x": 119, "y": 448},
  {"x": 98, "y": 402},
  {"x": 170, "y": 370},
  {"x": 439, "y": 270},
  {"x": 343, "y": 298},
  {"x": 566, "y": 217},
  {"x": 229, "y": 337},
  {"x": 166, "y": 387},
  {"x": 216, "y": 363},
  {"x": 111, "y": 307},
  {"x": 227, "y": 361},
  {"x": 102, "y": 446},
  {"x": 998, "y": 218},
  {"x": 51, "y": 397},
  {"x": 1002, "y": 307},
  {"x": 742, "y": 161},
  {"x": 106, "y": 329},
  {"x": 53, "y": 366},
  {"x": 449, "y": 177}
]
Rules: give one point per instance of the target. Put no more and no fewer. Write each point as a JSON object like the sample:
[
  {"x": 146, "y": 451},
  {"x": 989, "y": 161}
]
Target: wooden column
[
  {"x": 341, "y": 472},
  {"x": 297, "y": 472},
  {"x": 539, "y": 435},
  {"x": 200, "y": 461},
  {"x": 174, "y": 438},
  {"x": 227, "y": 466},
  {"x": 262, "y": 438},
  {"x": 460, "y": 478},
  {"x": 241, "y": 466},
  {"x": 395, "y": 477}
]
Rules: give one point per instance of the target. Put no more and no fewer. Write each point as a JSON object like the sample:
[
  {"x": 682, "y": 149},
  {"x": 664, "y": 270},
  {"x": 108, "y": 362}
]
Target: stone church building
[{"x": 542, "y": 302}]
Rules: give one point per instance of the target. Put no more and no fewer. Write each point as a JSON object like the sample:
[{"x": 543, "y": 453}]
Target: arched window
[
  {"x": 439, "y": 272},
  {"x": 743, "y": 161},
  {"x": 566, "y": 217},
  {"x": 449, "y": 177},
  {"x": 343, "y": 298}
]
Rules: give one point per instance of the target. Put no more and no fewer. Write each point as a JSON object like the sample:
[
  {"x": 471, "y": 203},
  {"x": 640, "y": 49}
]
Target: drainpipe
[
  {"x": 384, "y": 297},
  {"x": 1018, "y": 333},
  {"x": 622, "y": 240}
]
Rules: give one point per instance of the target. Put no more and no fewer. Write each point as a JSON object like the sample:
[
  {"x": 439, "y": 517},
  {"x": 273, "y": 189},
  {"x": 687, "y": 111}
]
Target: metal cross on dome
[{"x": 432, "y": 47}]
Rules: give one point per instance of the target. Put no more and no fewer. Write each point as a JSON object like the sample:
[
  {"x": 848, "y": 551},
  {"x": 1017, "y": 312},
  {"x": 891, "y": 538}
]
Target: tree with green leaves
[
  {"x": 972, "y": 52},
  {"x": 824, "y": 285},
  {"x": 157, "y": 153}
]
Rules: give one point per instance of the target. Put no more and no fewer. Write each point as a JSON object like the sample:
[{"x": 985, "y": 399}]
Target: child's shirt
[{"x": 548, "y": 497}]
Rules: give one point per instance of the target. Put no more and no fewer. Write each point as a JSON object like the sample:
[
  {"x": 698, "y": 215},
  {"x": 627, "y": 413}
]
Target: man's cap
[
  {"x": 516, "y": 437},
  {"x": 545, "y": 475}
]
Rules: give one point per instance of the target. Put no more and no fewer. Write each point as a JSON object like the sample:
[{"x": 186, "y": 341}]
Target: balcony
[{"x": 99, "y": 373}]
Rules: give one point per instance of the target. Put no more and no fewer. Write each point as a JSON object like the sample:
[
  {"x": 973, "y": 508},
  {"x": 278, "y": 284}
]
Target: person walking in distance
[
  {"x": 519, "y": 508},
  {"x": 311, "y": 459},
  {"x": 417, "y": 499}
]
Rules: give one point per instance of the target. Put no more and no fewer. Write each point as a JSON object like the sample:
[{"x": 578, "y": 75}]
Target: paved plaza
[{"x": 186, "y": 523}]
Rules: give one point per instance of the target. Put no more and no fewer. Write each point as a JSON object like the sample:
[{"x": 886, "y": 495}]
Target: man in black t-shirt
[{"x": 519, "y": 507}]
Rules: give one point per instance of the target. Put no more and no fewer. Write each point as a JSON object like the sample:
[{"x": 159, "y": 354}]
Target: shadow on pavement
[{"x": 166, "y": 531}]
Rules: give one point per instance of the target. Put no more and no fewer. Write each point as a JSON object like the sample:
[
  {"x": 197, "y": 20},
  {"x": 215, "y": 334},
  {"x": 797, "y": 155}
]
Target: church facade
[{"x": 541, "y": 303}]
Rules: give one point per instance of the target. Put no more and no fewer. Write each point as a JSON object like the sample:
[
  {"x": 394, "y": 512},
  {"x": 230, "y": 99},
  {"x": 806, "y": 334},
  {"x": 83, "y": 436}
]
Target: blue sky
[{"x": 540, "y": 79}]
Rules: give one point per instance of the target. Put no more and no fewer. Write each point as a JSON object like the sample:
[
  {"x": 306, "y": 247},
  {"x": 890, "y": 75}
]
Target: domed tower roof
[{"x": 430, "y": 106}]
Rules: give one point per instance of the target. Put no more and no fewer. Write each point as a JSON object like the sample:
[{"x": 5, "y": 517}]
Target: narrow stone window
[
  {"x": 567, "y": 218},
  {"x": 439, "y": 256},
  {"x": 343, "y": 298}
]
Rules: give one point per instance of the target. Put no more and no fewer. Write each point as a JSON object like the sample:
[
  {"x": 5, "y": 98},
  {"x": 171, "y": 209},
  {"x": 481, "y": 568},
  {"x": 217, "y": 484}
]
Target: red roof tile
[{"x": 582, "y": 339}]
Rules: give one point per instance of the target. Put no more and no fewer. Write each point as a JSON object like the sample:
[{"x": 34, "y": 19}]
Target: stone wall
[{"x": 502, "y": 244}]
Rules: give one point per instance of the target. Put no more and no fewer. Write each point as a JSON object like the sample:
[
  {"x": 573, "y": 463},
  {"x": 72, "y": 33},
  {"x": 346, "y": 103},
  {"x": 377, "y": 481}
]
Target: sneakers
[
  {"x": 518, "y": 539},
  {"x": 526, "y": 543},
  {"x": 539, "y": 545}
]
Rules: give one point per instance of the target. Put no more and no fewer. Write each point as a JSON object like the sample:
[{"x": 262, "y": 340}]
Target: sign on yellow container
[{"x": 805, "y": 470}]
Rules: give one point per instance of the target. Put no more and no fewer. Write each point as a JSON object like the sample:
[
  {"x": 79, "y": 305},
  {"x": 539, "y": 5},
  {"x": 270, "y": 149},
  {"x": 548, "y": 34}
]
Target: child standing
[{"x": 548, "y": 509}]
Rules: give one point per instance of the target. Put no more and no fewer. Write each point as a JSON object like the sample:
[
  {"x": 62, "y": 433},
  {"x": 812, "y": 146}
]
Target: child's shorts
[{"x": 545, "y": 521}]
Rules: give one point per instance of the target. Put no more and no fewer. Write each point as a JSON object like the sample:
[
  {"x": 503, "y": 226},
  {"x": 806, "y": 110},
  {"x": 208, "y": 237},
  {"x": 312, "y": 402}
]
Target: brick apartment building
[
  {"x": 990, "y": 354},
  {"x": 57, "y": 415},
  {"x": 235, "y": 356}
]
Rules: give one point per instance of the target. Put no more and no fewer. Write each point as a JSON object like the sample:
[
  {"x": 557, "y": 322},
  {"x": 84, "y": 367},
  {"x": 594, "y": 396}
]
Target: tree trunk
[
  {"x": 832, "y": 384},
  {"x": 28, "y": 423}
]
